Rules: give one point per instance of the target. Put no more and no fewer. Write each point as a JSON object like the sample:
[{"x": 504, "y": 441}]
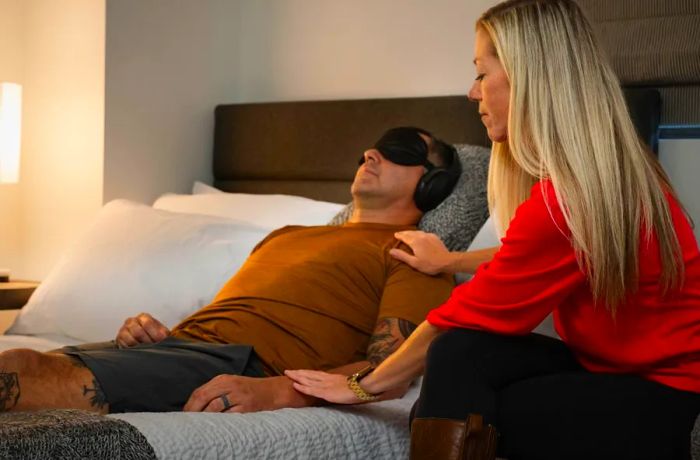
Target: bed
[{"x": 300, "y": 157}]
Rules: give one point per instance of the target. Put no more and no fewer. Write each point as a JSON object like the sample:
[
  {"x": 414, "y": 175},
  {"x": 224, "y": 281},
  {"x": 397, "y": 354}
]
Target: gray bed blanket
[{"x": 70, "y": 434}]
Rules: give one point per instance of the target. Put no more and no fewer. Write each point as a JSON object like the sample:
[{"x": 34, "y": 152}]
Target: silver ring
[{"x": 227, "y": 403}]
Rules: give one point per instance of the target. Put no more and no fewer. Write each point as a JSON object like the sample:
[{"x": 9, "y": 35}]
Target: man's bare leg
[{"x": 30, "y": 380}]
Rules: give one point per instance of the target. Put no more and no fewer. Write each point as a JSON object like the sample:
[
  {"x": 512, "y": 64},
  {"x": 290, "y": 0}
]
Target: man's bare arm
[
  {"x": 250, "y": 394},
  {"x": 388, "y": 335},
  {"x": 253, "y": 394}
]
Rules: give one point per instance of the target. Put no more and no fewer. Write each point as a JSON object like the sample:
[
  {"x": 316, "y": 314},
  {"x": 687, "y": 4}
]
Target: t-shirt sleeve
[
  {"x": 532, "y": 274},
  {"x": 409, "y": 294}
]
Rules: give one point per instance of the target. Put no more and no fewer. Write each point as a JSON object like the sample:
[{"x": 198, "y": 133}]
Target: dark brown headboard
[{"x": 311, "y": 148}]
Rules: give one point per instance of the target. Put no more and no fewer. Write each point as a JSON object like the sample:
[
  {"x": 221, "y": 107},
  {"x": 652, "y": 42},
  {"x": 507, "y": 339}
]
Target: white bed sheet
[
  {"x": 35, "y": 342},
  {"x": 371, "y": 431}
]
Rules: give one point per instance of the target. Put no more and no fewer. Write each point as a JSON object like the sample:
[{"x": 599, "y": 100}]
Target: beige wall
[
  {"x": 62, "y": 72},
  {"x": 319, "y": 49},
  {"x": 10, "y": 70},
  {"x": 169, "y": 62}
]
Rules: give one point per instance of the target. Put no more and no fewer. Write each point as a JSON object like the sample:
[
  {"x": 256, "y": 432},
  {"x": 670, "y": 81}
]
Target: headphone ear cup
[{"x": 433, "y": 188}]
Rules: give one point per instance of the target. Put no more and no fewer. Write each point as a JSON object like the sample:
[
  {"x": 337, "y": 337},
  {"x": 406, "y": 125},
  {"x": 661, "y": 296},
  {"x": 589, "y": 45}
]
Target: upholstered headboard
[{"x": 311, "y": 148}]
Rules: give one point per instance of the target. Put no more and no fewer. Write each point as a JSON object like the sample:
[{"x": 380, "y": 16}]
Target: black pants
[{"x": 546, "y": 406}]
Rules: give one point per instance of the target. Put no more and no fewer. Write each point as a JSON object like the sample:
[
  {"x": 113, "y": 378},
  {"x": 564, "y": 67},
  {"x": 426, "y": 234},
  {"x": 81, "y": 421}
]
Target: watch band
[{"x": 354, "y": 385}]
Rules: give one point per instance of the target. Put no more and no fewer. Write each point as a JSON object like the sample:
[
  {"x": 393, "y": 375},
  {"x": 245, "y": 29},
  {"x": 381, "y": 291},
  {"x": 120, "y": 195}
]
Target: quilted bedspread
[{"x": 370, "y": 431}]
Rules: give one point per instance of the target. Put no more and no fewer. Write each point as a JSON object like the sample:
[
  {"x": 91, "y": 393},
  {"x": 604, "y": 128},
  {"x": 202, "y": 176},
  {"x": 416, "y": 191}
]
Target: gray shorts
[{"x": 161, "y": 377}]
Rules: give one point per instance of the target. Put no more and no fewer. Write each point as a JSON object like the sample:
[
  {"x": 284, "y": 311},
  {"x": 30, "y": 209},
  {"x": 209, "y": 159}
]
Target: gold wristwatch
[{"x": 354, "y": 385}]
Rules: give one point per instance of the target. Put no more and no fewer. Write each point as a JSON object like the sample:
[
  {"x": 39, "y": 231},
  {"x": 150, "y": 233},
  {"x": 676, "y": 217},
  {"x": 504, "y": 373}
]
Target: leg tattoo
[
  {"x": 98, "y": 398},
  {"x": 9, "y": 390}
]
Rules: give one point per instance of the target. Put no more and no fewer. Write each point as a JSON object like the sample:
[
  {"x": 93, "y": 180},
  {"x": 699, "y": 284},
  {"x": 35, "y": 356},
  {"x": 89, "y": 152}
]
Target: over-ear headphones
[{"x": 438, "y": 182}]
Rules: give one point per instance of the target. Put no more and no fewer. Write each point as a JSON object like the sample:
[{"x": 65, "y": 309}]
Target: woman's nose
[{"x": 474, "y": 93}]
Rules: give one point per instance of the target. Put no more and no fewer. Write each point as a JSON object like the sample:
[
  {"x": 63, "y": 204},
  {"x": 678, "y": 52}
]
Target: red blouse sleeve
[{"x": 532, "y": 274}]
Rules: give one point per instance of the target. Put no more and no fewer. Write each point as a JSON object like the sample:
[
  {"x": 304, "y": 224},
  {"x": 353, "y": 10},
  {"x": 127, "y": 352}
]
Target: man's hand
[
  {"x": 246, "y": 394},
  {"x": 141, "y": 329}
]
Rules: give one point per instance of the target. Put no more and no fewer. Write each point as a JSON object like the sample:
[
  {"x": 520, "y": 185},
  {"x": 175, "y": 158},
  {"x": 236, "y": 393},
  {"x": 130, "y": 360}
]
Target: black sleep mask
[{"x": 404, "y": 146}]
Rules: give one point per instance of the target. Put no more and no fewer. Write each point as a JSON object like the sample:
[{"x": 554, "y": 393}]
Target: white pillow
[
  {"x": 486, "y": 237},
  {"x": 200, "y": 188},
  {"x": 267, "y": 211},
  {"x": 136, "y": 259}
]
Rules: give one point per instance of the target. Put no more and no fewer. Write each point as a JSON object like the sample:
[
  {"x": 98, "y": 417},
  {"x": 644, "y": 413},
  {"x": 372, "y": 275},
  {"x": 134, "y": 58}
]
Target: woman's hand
[
  {"x": 331, "y": 387},
  {"x": 430, "y": 255}
]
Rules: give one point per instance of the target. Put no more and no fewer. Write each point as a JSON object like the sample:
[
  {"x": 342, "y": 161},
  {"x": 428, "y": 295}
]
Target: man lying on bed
[{"x": 307, "y": 297}]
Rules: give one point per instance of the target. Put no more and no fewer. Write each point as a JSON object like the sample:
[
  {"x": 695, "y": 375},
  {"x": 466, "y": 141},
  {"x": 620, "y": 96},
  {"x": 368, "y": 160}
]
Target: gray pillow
[
  {"x": 457, "y": 219},
  {"x": 695, "y": 440}
]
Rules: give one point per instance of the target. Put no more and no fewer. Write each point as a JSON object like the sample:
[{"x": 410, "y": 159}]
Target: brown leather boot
[{"x": 446, "y": 439}]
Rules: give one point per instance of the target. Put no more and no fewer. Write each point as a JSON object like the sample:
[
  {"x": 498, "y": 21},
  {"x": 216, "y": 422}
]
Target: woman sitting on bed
[{"x": 594, "y": 234}]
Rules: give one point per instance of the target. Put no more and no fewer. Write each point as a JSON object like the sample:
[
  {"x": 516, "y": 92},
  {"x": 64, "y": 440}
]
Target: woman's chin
[{"x": 497, "y": 136}]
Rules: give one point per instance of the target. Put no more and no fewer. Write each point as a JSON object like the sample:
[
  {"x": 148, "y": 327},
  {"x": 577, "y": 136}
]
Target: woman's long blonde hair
[{"x": 568, "y": 122}]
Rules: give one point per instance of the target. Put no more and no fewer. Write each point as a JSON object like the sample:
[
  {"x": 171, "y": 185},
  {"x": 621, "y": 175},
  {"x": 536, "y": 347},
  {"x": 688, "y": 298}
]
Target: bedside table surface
[
  {"x": 18, "y": 284},
  {"x": 14, "y": 294}
]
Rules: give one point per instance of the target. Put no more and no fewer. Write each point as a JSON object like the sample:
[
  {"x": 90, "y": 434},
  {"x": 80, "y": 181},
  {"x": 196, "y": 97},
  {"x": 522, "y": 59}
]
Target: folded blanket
[{"x": 70, "y": 434}]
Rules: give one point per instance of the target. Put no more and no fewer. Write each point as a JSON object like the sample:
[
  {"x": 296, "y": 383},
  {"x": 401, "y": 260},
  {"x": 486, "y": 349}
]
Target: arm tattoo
[
  {"x": 406, "y": 328},
  {"x": 98, "y": 398},
  {"x": 388, "y": 335},
  {"x": 9, "y": 390}
]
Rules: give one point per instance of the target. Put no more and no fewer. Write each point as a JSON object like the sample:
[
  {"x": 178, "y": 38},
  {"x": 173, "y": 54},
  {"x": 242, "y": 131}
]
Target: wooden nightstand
[{"x": 15, "y": 294}]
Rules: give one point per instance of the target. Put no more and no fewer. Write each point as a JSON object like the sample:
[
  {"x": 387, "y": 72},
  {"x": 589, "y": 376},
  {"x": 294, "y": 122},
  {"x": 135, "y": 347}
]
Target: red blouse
[{"x": 535, "y": 272}]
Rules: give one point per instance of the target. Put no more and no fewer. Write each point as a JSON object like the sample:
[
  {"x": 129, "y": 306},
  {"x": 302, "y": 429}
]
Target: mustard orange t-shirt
[{"x": 310, "y": 297}]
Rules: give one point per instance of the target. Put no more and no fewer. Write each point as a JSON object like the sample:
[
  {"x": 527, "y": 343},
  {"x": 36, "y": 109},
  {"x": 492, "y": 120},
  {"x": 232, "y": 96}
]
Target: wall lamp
[{"x": 10, "y": 131}]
